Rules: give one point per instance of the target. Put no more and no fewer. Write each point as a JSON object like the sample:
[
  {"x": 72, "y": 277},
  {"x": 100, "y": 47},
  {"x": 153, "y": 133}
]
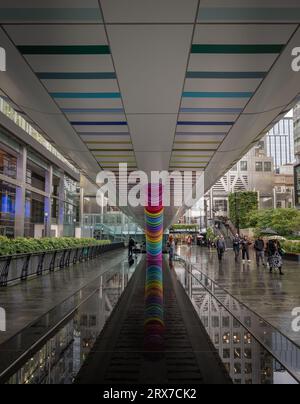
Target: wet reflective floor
[
  {"x": 27, "y": 301},
  {"x": 271, "y": 296}
]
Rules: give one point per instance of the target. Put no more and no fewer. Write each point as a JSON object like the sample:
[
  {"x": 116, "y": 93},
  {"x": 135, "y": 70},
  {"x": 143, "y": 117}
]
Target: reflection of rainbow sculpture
[{"x": 154, "y": 315}]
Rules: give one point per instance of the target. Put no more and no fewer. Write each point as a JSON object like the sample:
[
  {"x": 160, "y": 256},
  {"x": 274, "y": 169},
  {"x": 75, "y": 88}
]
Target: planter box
[
  {"x": 21, "y": 267},
  {"x": 292, "y": 257}
]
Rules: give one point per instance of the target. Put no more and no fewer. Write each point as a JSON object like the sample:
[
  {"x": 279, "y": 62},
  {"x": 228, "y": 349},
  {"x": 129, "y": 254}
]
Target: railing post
[
  {"x": 62, "y": 260},
  {"x": 40, "y": 267},
  {"x": 67, "y": 264},
  {"x": 75, "y": 259},
  {"x": 4, "y": 272},
  {"x": 24, "y": 274},
  {"x": 53, "y": 260}
]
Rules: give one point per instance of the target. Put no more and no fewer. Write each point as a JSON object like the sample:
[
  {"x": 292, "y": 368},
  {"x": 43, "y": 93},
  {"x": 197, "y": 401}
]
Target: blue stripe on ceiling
[
  {"x": 197, "y": 94},
  {"x": 211, "y": 110},
  {"x": 249, "y": 14},
  {"x": 80, "y": 123},
  {"x": 74, "y": 111},
  {"x": 86, "y": 95},
  {"x": 201, "y": 134},
  {"x": 226, "y": 75},
  {"x": 50, "y": 14},
  {"x": 77, "y": 76},
  {"x": 203, "y": 123}
]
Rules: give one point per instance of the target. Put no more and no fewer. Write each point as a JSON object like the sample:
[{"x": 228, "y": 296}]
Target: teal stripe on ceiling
[
  {"x": 236, "y": 49},
  {"x": 86, "y": 95},
  {"x": 226, "y": 75},
  {"x": 64, "y": 50},
  {"x": 264, "y": 14},
  {"x": 50, "y": 14},
  {"x": 217, "y": 95},
  {"x": 77, "y": 76}
]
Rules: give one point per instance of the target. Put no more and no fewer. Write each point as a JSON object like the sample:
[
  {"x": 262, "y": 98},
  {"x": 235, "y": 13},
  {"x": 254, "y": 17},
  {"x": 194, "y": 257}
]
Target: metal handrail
[{"x": 292, "y": 372}]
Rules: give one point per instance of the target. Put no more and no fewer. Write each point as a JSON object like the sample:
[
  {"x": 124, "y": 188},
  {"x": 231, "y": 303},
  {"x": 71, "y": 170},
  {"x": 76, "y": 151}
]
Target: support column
[
  {"x": 21, "y": 194},
  {"x": 48, "y": 190},
  {"x": 154, "y": 316},
  {"x": 61, "y": 206}
]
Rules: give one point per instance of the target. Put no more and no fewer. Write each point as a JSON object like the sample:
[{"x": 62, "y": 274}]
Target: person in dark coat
[
  {"x": 221, "y": 247},
  {"x": 259, "y": 247},
  {"x": 245, "y": 243},
  {"x": 237, "y": 246}
]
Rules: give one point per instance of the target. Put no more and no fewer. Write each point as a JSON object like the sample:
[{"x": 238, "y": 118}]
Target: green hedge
[
  {"x": 291, "y": 247},
  {"x": 31, "y": 245},
  {"x": 241, "y": 204}
]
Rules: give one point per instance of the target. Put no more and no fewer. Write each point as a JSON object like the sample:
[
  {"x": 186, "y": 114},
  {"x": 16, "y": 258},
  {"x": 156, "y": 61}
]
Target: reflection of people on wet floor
[{"x": 275, "y": 253}]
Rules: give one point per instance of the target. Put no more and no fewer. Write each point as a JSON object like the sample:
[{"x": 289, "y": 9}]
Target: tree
[
  {"x": 240, "y": 206},
  {"x": 283, "y": 221}
]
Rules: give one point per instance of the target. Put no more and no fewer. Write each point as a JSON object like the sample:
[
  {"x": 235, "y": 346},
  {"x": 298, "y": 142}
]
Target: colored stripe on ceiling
[
  {"x": 263, "y": 14},
  {"x": 197, "y": 94},
  {"x": 64, "y": 50},
  {"x": 49, "y": 14},
  {"x": 237, "y": 49},
  {"x": 203, "y": 123},
  {"x": 211, "y": 110},
  {"x": 226, "y": 75},
  {"x": 77, "y": 76},
  {"x": 86, "y": 95},
  {"x": 109, "y": 123}
]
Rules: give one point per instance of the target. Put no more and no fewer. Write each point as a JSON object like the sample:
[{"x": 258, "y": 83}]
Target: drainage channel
[
  {"x": 252, "y": 350},
  {"x": 52, "y": 349}
]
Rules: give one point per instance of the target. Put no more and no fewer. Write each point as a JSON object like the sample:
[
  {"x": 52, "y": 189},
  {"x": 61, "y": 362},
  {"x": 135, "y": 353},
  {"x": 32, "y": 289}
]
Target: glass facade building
[{"x": 279, "y": 143}]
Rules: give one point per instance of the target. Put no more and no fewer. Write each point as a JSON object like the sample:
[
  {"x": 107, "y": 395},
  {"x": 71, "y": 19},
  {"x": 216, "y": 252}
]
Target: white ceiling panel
[
  {"x": 151, "y": 65},
  {"x": 245, "y": 34},
  {"x": 89, "y": 103},
  {"x": 57, "y": 34},
  {"x": 71, "y": 63},
  {"x": 208, "y": 85},
  {"x": 229, "y": 63},
  {"x": 145, "y": 11},
  {"x": 81, "y": 86},
  {"x": 214, "y": 102}
]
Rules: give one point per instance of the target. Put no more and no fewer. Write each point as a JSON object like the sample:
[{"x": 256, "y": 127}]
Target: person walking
[
  {"x": 131, "y": 246},
  {"x": 172, "y": 251},
  {"x": 259, "y": 247},
  {"x": 245, "y": 249},
  {"x": 237, "y": 246},
  {"x": 221, "y": 247},
  {"x": 274, "y": 252}
]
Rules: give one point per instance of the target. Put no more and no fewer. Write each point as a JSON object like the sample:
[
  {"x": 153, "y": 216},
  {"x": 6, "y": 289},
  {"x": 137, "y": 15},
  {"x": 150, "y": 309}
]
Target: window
[
  {"x": 259, "y": 166},
  {"x": 268, "y": 166},
  {"x": 234, "y": 168},
  {"x": 8, "y": 164},
  {"x": 7, "y": 209},
  {"x": 244, "y": 166}
]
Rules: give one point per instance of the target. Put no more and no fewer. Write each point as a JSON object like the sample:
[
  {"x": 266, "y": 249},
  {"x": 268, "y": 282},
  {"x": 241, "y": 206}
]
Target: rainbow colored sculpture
[{"x": 154, "y": 312}]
